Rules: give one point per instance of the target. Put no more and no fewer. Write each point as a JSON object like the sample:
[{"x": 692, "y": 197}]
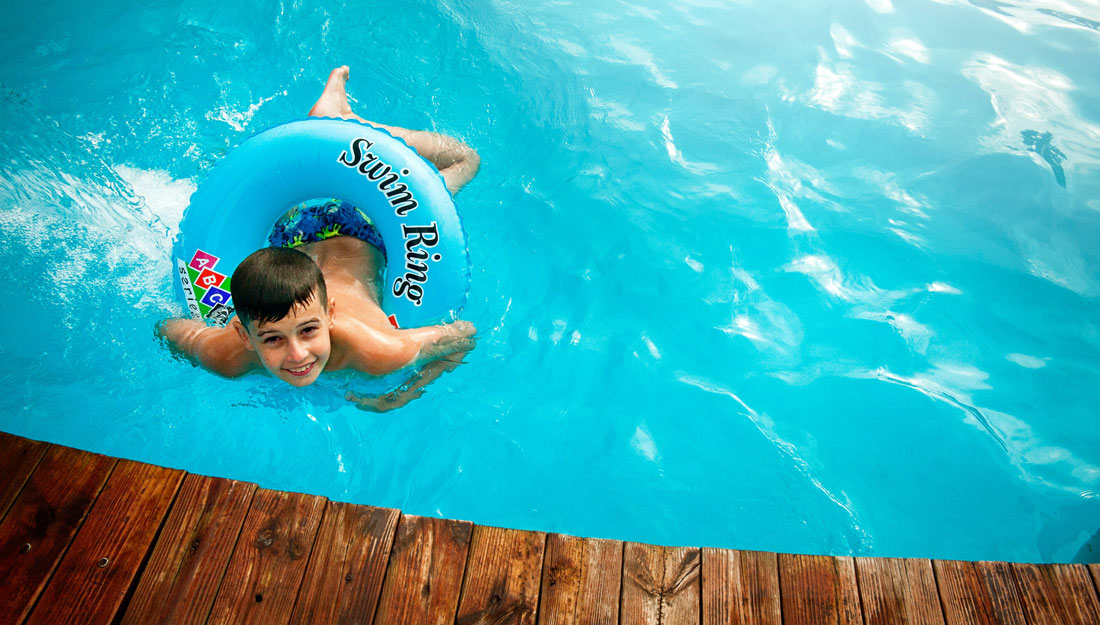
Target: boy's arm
[
  {"x": 410, "y": 389},
  {"x": 381, "y": 352},
  {"x": 442, "y": 340},
  {"x": 216, "y": 349},
  {"x": 434, "y": 349},
  {"x": 454, "y": 159}
]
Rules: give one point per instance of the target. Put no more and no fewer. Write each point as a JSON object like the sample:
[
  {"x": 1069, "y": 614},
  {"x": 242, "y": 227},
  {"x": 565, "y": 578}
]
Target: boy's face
[{"x": 297, "y": 347}]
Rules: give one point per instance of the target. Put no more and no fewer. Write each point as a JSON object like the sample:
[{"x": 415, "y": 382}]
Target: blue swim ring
[{"x": 427, "y": 273}]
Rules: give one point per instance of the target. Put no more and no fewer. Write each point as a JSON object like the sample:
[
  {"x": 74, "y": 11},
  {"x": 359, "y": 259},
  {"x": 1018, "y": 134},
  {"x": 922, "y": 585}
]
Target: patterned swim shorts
[{"x": 317, "y": 220}]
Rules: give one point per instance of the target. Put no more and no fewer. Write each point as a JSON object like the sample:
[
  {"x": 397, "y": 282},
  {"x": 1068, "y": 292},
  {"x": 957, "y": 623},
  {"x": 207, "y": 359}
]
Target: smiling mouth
[{"x": 300, "y": 371}]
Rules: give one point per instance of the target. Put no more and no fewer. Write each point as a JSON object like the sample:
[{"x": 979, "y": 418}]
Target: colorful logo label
[{"x": 206, "y": 291}]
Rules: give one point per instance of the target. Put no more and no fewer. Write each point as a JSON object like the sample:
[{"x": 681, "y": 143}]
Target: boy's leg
[
  {"x": 457, "y": 161},
  {"x": 334, "y": 99}
]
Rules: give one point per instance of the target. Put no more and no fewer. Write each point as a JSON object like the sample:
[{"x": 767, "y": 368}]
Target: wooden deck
[{"x": 86, "y": 538}]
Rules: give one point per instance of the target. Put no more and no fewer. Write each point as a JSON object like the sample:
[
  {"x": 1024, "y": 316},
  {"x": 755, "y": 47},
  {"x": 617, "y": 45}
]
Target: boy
[{"x": 317, "y": 307}]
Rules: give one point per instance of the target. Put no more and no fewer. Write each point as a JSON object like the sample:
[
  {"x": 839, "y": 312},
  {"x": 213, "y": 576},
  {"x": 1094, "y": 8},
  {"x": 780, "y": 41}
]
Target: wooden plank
[
  {"x": 344, "y": 578},
  {"x": 660, "y": 585},
  {"x": 179, "y": 582},
  {"x": 1057, "y": 593},
  {"x": 503, "y": 575},
  {"x": 42, "y": 521},
  {"x": 1004, "y": 597},
  {"x": 18, "y": 457},
  {"x": 818, "y": 590},
  {"x": 92, "y": 579},
  {"x": 897, "y": 590},
  {"x": 740, "y": 587},
  {"x": 581, "y": 581},
  {"x": 1040, "y": 599},
  {"x": 965, "y": 597},
  {"x": 1094, "y": 569},
  {"x": 1075, "y": 591},
  {"x": 266, "y": 569},
  {"x": 424, "y": 576}
]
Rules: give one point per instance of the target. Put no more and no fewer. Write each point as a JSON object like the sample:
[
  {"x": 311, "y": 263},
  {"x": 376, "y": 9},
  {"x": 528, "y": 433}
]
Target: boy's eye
[
  {"x": 271, "y": 340},
  {"x": 309, "y": 330}
]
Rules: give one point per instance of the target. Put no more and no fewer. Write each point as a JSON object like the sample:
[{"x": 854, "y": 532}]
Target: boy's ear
[
  {"x": 242, "y": 333},
  {"x": 331, "y": 312}
]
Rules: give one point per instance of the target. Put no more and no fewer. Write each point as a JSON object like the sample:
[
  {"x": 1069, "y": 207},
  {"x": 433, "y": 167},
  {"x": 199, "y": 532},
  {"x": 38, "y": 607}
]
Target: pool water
[{"x": 810, "y": 277}]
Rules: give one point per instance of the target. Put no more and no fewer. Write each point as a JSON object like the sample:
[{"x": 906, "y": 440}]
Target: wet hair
[{"x": 272, "y": 281}]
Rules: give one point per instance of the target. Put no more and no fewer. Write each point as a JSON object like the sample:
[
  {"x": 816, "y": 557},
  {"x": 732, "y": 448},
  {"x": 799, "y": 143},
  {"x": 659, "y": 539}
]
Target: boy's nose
[{"x": 297, "y": 351}]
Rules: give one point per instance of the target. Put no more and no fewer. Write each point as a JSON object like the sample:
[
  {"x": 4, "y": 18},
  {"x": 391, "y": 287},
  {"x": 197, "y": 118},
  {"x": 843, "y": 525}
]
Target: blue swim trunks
[{"x": 317, "y": 220}]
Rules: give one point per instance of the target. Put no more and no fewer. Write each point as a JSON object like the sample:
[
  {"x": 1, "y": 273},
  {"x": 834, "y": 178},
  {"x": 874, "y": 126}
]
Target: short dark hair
[{"x": 272, "y": 281}]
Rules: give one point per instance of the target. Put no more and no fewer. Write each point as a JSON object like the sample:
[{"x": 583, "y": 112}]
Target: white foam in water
[{"x": 165, "y": 196}]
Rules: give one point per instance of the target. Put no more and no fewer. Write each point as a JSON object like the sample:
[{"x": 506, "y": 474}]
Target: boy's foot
[{"x": 334, "y": 100}]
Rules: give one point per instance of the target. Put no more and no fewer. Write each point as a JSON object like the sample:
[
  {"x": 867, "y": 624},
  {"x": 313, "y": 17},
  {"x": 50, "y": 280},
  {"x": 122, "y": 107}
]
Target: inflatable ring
[{"x": 427, "y": 273}]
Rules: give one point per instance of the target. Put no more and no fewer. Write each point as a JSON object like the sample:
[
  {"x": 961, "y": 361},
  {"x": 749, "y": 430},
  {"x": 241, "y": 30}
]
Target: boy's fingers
[{"x": 464, "y": 328}]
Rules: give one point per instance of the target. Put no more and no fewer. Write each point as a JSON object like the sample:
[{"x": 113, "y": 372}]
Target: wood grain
[
  {"x": 43, "y": 520},
  {"x": 1040, "y": 600},
  {"x": 895, "y": 590},
  {"x": 424, "y": 577},
  {"x": 818, "y": 590},
  {"x": 503, "y": 577},
  {"x": 185, "y": 569},
  {"x": 660, "y": 585},
  {"x": 1075, "y": 590},
  {"x": 261, "y": 582},
  {"x": 964, "y": 595},
  {"x": 91, "y": 581},
  {"x": 18, "y": 457},
  {"x": 1004, "y": 597},
  {"x": 581, "y": 580},
  {"x": 344, "y": 578},
  {"x": 740, "y": 587}
]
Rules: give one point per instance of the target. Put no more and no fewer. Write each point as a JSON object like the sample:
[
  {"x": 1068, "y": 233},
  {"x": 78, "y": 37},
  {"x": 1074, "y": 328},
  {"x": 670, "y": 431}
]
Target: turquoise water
[{"x": 757, "y": 275}]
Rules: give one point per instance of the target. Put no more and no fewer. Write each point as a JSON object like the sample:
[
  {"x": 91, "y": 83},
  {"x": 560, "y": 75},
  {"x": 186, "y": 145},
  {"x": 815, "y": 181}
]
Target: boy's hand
[
  {"x": 383, "y": 403},
  {"x": 453, "y": 338},
  {"x": 410, "y": 389},
  {"x": 462, "y": 328}
]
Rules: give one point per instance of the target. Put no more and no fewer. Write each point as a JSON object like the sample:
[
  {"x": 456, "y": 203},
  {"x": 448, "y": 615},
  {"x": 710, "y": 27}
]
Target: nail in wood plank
[
  {"x": 503, "y": 576},
  {"x": 92, "y": 579},
  {"x": 266, "y": 569},
  {"x": 896, "y": 590},
  {"x": 581, "y": 581},
  {"x": 660, "y": 585},
  {"x": 424, "y": 576},
  {"x": 18, "y": 457},
  {"x": 179, "y": 582},
  {"x": 344, "y": 578},
  {"x": 740, "y": 587},
  {"x": 42, "y": 521},
  {"x": 818, "y": 590}
]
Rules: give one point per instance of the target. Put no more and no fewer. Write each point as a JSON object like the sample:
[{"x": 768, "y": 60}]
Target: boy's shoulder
[
  {"x": 368, "y": 348},
  {"x": 230, "y": 356},
  {"x": 218, "y": 349}
]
